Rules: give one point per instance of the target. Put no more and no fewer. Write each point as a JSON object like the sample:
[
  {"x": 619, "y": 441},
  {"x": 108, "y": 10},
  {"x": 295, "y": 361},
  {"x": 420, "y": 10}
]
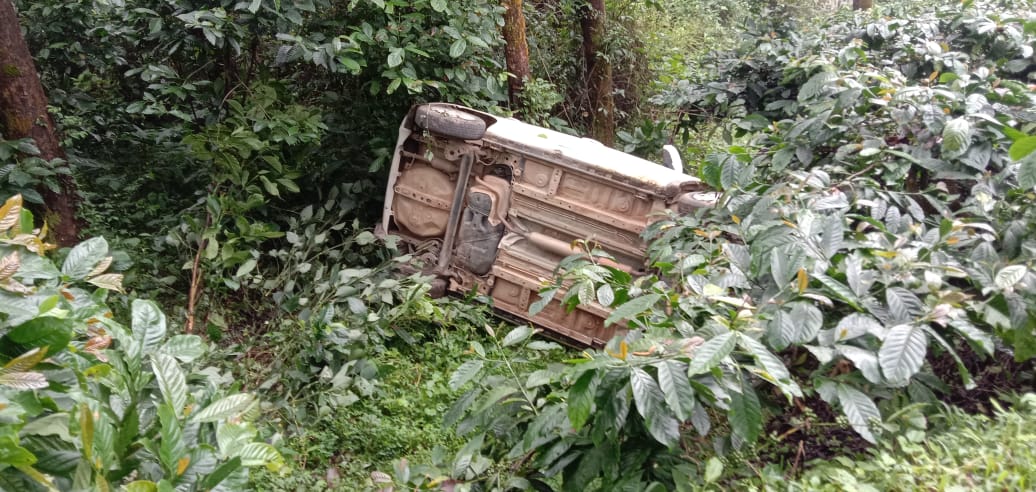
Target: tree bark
[
  {"x": 516, "y": 51},
  {"x": 23, "y": 113},
  {"x": 598, "y": 73},
  {"x": 862, "y": 4}
]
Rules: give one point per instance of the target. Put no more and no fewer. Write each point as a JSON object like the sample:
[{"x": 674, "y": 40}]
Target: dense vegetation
[{"x": 863, "y": 292}]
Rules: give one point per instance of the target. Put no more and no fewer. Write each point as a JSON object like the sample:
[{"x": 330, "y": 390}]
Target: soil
[
  {"x": 993, "y": 379},
  {"x": 808, "y": 430}
]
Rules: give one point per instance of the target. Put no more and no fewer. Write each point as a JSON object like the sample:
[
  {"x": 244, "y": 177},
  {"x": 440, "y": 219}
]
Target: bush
[
  {"x": 974, "y": 452},
  {"x": 89, "y": 404},
  {"x": 874, "y": 213}
]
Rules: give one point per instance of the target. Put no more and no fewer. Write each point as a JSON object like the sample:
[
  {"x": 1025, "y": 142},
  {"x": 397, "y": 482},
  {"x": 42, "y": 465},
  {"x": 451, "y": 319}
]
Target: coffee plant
[
  {"x": 92, "y": 404},
  {"x": 874, "y": 213}
]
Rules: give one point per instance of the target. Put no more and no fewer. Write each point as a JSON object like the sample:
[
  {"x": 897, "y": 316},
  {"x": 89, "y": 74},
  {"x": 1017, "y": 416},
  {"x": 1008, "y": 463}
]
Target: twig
[{"x": 196, "y": 277}]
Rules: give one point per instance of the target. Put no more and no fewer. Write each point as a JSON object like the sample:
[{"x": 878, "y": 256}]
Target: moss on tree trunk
[
  {"x": 516, "y": 51},
  {"x": 23, "y": 113}
]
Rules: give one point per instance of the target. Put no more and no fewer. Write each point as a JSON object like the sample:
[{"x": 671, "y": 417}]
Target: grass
[
  {"x": 400, "y": 419},
  {"x": 965, "y": 452}
]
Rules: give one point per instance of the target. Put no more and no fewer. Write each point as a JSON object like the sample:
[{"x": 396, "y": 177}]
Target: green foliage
[
  {"x": 90, "y": 403},
  {"x": 973, "y": 452},
  {"x": 875, "y": 214},
  {"x": 501, "y": 396},
  {"x": 870, "y": 219},
  {"x": 196, "y": 126},
  {"x": 22, "y": 171}
]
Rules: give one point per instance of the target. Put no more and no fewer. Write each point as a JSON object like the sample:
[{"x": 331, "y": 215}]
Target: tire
[{"x": 450, "y": 122}]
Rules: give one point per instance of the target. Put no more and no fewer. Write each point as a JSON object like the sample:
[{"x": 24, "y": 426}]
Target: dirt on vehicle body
[{"x": 493, "y": 204}]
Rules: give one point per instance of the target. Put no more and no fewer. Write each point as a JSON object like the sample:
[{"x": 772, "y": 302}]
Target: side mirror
[{"x": 671, "y": 158}]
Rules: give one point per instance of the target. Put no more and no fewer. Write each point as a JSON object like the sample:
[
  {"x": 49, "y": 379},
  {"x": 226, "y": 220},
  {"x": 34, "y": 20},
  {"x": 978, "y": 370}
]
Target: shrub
[
  {"x": 974, "y": 452},
  {"x": 874, "y": 211},
  {"x": 89, "y": 403}
]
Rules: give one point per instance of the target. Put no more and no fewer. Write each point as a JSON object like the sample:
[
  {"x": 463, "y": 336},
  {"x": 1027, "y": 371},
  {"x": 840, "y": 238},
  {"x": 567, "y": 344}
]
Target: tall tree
[
  {"x": 516, "y": 50},
  {"x": 862, "y": 4},
  {"x": 23, "y": 113},
  {"x": 598, "y": 73}
]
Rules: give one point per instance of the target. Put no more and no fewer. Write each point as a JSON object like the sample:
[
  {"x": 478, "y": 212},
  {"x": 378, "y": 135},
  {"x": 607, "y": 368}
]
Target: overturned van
[{"x": 493, "y": 204}]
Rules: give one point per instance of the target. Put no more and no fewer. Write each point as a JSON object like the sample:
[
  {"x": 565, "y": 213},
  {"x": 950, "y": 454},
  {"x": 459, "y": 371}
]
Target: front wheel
[{"x": 449, "y": 122}]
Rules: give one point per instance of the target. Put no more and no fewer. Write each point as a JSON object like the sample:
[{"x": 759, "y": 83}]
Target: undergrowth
[{"x": 972, "y": 452}]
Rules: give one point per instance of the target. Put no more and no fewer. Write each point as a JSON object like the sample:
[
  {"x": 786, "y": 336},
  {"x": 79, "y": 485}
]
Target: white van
[{"x": 494, "y": 204}]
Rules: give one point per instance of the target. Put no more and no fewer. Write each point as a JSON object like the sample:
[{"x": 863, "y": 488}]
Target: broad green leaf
[
  {"x": 815, "y": 85},
  {"x": 864, "y": 360},
  {"x": 902, "y": 353},
  {"x": 785, "y": 262},
  {"x": 221, "y": 473},
  {"x": 859, "y": 410},
  {"x": 141, "y": 486},
  {"x": 1010, "y": 275},
  {"x": 839, "y": 290},
  {"x": 600, "y": 457},
  {"x": 457, "y": 409},
  {"x": 463, "y": 458},
  {"x": 439, "y": 5},
  {"x": 580, "y": 399},
  {"x": 171, "y": 381},
  {"x": 956, "y": 137},
  {"x": 466, "y": 372},
  {"x": 224, "y": 408},
  {"x": 258, "y": 454},
  {"x": 517, "y": 335},
  {"x": 731, "y": 174},
  {"x": 395, "y": 57},
  {"x": 84, "y": 257},
  {"x": 832, "y": 239},
  {"x": 458, "y": 48},
  {"x": 632, "y": 308},
  {"x": 803, "y": 323},
  {"x": 231, "y": 437},
  {"x": 713, "y": 469},
  {"x": 245, "y": 267},
  {"x": 1022, "y": 148},
  {"x": 776, "y": 371},
  {"x": 745, "y": 414},
  {"x": 86, "y": 430},
  {"x": 965, "y": 374},
  {"x": 711, "y": 353},
  {"x": 904, "y": 306},
  {"x": 52, "y": 333},
  {"x": 672, "y": 378},
  {"x": 650, "y": 404},
  {"x": 852, "y": 326},
  {"x": 979, "y": 337},
  {"x": 495, "y": 395},
  {"x": 545, "y": 298},
  {"x": 605, "y": 295},
  {"x": 149, "y": 328},
  {"x": 1027, "y": 173},
  {"x": 543, "y": 345},
  {"x": 186, "y": 348}
]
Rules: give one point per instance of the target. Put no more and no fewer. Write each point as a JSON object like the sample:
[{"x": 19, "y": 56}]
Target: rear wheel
[{"x": 450, "y": 122}]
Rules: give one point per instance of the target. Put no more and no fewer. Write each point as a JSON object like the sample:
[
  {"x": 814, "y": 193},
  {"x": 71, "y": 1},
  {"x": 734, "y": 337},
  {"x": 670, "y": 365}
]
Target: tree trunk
[
  {"x": 23, "y": 113},
  {"x": 516, "y": 51},
  {"x": 598, "y": 73},
  {"x": 862, "y": 4}
]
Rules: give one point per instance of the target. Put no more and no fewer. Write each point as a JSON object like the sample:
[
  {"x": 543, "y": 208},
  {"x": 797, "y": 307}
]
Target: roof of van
[{"x": 589, "y": 155}]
